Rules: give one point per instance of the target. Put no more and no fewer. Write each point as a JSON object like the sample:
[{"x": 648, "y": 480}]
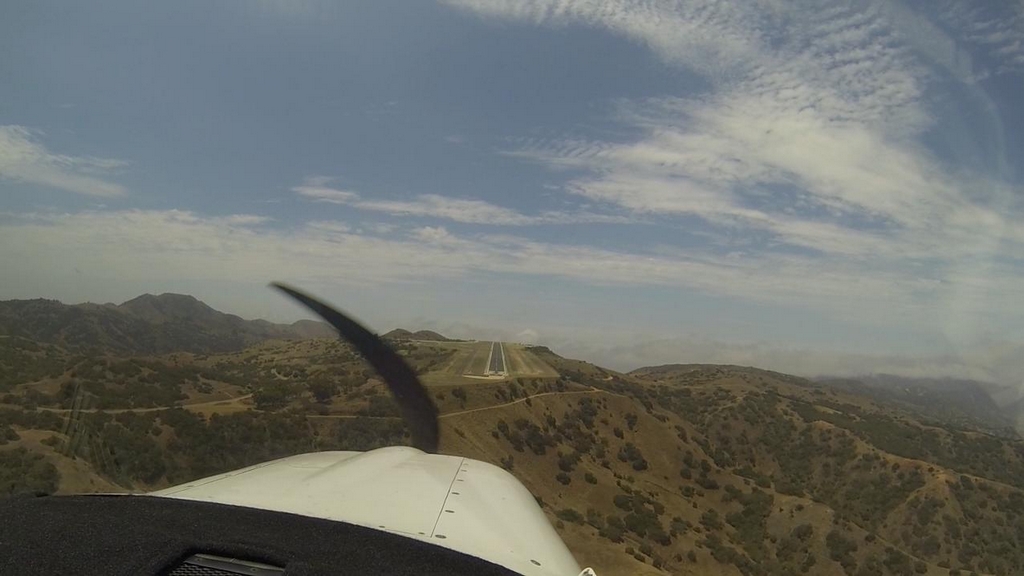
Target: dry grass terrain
[
  {"x": 675, "y": 470},
  {"x": 522, "y": 362},
  {"x": 468, "y": 363}
]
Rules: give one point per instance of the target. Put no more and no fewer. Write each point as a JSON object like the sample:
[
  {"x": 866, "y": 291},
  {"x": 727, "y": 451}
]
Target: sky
[{"x": 809, "y": 186}]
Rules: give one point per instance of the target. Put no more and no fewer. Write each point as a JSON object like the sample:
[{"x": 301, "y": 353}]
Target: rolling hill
[
  {"x": 425, "y": 335},
  {"x": 144, "y": 325},
  {"x": 680, "y": 469}
]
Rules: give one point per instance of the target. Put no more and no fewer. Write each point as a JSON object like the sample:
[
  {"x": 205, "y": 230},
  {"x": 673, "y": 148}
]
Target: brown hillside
[
  {"x": 679, "y": 470},
  {"x": 145, "y": 325}
]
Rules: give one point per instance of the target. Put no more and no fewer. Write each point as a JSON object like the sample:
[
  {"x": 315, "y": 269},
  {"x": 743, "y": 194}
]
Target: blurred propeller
[{"x": 418, "y": 410}]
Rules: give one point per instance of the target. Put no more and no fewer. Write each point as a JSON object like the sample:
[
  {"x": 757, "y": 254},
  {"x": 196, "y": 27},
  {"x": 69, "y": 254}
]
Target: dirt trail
[
  {"x": 238, "y": 400},
  {"x": 493, "y": 406},
  {"x": 471, "y": 410},
  {"x": 210, "y": 403}
]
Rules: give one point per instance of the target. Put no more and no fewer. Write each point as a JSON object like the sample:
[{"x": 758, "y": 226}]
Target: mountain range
[{"x": 147, "y": 324}]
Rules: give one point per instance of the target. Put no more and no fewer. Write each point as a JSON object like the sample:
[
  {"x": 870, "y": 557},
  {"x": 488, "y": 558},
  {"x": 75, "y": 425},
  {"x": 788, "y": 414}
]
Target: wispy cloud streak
[
  {"x": 25, "y": 159},
  {"x": 463, "y": 210}
]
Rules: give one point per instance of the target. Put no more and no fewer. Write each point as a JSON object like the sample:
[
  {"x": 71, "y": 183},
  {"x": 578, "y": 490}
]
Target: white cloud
[
  {"x": 179, "y": 244},
  {"x": 808, "y": 137},
  {"x": 803, "y": 157},
  {"x": 464, "y": 210},
  {"x": 434, "y": 235},
  {"x": 710, "y": 36},
  {"x": 456, "y": 209},
  {"x": 245, "y": 219},
  {"x": 24, "y": 159},
  {"x": 850, "y": 190},
  {"x": 316, "y": 189},
  {"x": 997, "y": 29}
]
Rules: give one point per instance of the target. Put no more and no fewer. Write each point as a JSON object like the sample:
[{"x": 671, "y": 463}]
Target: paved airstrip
[{"x": 483, "y": 360}]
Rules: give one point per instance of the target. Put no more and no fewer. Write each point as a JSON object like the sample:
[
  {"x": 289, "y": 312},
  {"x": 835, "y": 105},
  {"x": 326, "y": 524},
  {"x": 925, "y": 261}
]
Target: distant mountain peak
[
  {"x": 168, "y": 306},
  {"x": 167, "y": 298},
  {"x": 402, "y": 334},
  {"x": 147, "y": 324}
]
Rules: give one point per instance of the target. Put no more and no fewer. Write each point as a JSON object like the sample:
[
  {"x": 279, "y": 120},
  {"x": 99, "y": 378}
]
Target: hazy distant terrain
[
  {"x": 402, "y": 334},
  {"x": 679, "y": 469},
  {"x": 970, "y": 403},
  {"x": 144, "y": 325}
]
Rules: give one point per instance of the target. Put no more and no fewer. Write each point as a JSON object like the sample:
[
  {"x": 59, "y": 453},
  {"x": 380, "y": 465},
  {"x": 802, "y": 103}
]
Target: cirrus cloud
[
  {"x": 463, "y": 210},
  {"x": 25, "y": 159}
]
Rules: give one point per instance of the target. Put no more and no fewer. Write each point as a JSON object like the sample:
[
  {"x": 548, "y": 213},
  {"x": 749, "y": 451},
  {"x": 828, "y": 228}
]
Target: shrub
[
  {"x": 570, "y": 515},
  {"x": 803, "y": 532}
]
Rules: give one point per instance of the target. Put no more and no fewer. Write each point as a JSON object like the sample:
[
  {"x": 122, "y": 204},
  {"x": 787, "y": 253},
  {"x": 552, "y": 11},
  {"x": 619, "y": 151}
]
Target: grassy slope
[{"x": 695, "y": 469}]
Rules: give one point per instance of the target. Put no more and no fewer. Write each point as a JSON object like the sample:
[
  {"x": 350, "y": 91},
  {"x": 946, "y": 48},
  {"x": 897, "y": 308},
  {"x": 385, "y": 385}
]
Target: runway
[
  {"x": 496, "y": 361},
  {"x": 483, "y": 360}
]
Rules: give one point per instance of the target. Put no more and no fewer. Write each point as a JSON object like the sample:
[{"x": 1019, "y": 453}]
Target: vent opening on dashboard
[{"x": 210, "y": 565}]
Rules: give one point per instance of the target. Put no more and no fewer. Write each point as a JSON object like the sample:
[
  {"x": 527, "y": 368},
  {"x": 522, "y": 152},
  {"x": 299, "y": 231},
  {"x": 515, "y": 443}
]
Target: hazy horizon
[
  {"x": 641, "y": 353},
  {"x": 810, "y": 188}
]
